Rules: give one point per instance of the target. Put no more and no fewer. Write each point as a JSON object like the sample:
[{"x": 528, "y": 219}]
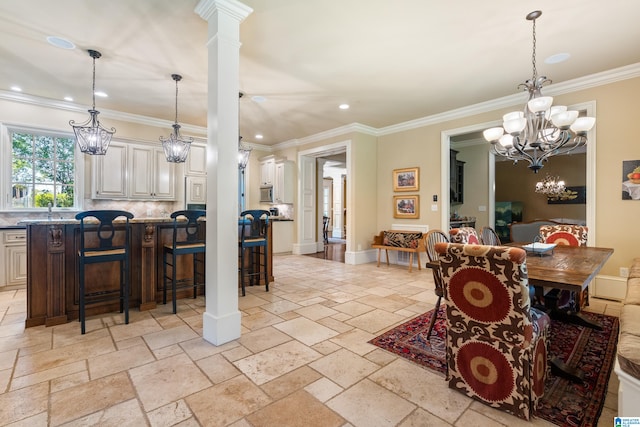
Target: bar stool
[
  {"x": 191, "y": 242},
  {"x": 253, "y": 239},
  {"x": 100, "y": 243}
]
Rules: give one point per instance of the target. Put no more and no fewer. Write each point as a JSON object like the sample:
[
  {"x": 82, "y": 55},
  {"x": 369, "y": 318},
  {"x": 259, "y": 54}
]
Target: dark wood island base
[{"x": 52, "y": 271}]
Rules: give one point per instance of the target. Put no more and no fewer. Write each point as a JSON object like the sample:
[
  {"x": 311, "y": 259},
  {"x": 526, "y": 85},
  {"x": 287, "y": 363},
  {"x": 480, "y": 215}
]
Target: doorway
[
  {"x": 310, "y": 197},
  {"x": 449, "y": 136}
]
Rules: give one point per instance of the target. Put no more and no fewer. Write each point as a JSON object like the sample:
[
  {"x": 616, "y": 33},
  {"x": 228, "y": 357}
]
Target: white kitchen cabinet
[
  {"x": 283, "y": 187},
  {"x": 196, "y": 190},
  {"x": 109, "y": 178},
  {"x": 282, "y": 236},
  {"x": 133, "y": 171},
  {"x": 13, "y": 271},
  {"x": 151, "y": 177},
  {"x": 196, "y": 163},
  {"x": 267, "y": 171}
]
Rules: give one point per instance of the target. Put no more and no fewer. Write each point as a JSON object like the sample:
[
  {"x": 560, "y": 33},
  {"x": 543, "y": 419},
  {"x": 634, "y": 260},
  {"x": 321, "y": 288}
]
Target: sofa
[
  {"x": 526, "y": 232},
  {"x": 628, "y": 361}
]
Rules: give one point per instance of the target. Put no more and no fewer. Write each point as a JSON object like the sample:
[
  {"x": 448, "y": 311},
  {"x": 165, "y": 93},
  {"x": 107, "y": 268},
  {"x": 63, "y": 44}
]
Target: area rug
[{"x": 564, "y": 403}]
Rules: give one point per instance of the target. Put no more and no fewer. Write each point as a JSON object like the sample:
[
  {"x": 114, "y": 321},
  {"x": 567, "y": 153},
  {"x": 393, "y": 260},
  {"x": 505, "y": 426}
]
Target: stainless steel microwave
[{"x": 266, "y": 194}]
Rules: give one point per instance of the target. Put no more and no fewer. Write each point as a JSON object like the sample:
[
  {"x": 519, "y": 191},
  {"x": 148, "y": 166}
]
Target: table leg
[
  {"x": 565, "y": 315},
  {"x": 562, "y": 370}
]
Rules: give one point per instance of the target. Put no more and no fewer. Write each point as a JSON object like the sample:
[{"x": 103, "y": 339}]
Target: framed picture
[
  {"x": 406, "y": 206},
  {"x": 406, "y": 179},
  {"x": 631, "y": 180}
]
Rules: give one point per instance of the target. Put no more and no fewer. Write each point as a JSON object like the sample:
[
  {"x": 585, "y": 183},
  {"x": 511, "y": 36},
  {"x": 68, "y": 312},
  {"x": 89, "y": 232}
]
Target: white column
[{"x": 221, "y": 320}]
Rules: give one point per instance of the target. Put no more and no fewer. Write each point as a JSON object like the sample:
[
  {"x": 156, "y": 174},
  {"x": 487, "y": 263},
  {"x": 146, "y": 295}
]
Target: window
[{"x": 43, "y": 170}]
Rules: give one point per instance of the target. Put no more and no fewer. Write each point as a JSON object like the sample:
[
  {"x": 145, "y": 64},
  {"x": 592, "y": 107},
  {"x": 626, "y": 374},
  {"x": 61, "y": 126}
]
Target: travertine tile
[
  {"x": 368, "y": 404},
  {"x": 170, "y": 414},
  {"x": 104, "y": 393},
  {"x": 48, "y": 374},
  {"x": 323, "y": 389},
  {"x": 274, "y": 362},
  {"x": 168, "y": 337},
  {"x": 167, "y": 380},
  {"x": 376, "y": 321},
  {"x": 299, "y": 409},
  {"x": 290, "y": 382},
  {"x": 217, "y": 368},
  {"x": 227, "y": 402},
  {"x": 263, "y": 339},
  {"x": 120, "y": 360},
  {"x": 344, "y": 367},
  {"x": 125, "y": 414},
  {"x": 23, "y": 403},
  {"x": 306, "y": 331}
]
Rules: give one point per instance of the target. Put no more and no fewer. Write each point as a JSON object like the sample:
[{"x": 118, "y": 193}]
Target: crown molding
[
  {"x": 581, "y": 83},
  {"x": 111, "y": 114},
  {"x": 321, "y": 136}
]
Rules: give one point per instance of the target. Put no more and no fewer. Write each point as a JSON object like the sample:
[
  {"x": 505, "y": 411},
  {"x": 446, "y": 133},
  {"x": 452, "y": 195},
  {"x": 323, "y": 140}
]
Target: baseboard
[
  {"x": 360, "y": 257},
  {"x": 609, "y": 287}
]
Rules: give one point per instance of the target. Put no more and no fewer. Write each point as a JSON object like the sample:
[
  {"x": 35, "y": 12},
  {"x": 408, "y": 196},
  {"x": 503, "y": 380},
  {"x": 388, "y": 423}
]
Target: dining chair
[
  {"x": 253, "y": 226},
  {"x": 570, "y": 235},
  {"x": 467, "y": 235},
  {"x": 490, "y": 237},
  {"x": 431, "y": 238},
  {"x": 188, "y": 238},
  {"x": 325, "y": 229},
  {"x": 496, "y": 342},
  {"x": 103, "y": 240}
]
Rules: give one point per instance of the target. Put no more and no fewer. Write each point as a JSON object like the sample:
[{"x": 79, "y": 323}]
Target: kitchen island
[{"x": 52, "y": 270}]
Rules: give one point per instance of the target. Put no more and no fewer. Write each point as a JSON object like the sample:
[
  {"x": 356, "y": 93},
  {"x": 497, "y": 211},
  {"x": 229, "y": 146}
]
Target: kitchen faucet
[{"x": 49, "y": 205}]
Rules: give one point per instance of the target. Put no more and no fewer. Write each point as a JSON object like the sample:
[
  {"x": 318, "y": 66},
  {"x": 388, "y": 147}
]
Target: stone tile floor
[{"x": 302, "y": 360}]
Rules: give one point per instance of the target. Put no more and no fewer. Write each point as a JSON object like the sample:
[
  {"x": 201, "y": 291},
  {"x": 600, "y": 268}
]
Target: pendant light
[
  {"x": 92, "y": 138},
  {"x": 176, "y": 148}
]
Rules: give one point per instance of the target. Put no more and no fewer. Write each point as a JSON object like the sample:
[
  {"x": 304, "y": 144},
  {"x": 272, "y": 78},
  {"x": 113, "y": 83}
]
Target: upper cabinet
[
  {"x": 283, "y": 187},
  {"x": 133, "y": 171},
  {"x": 267, "y": 171},
  {"x": 196, "y": 163}
]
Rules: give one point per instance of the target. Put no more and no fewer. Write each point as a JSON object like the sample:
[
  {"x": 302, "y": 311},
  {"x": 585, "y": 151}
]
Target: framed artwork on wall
[
  {"x": 631, "y": 180},
  {"x": 406, "y": 206},
  {"x": 406, "y": 179}
]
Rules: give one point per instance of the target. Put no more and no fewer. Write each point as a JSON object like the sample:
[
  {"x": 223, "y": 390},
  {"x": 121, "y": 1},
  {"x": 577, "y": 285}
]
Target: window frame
[{"x": 6, "y": 147}]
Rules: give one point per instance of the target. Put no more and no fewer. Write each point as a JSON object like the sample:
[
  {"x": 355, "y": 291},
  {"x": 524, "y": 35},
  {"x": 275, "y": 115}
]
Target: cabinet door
[
  {"x": 196, "y": 189},
  {"x": 267, "y": 172},
  {"x": 283, "y": 185},
  {"x": 163, "y": 177},
  {"x": 16, "y": 263},
  {"x": 141, "y": 172},
  {"x": 196, "y": 163},
  {"x": 109, "y": 180}
]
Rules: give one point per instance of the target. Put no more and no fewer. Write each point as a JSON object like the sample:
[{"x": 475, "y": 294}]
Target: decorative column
[{"x": 221, "y": 320}]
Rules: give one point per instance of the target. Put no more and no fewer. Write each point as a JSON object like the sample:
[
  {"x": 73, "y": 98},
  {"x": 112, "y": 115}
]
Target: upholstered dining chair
[
  {"x": 431, "y": 238},
  {"x": 496, "y": 343},
  {"x": 490, "y": 237},
  {"x": 467, "y": 235},
  {"x": 570, "y": 235}
]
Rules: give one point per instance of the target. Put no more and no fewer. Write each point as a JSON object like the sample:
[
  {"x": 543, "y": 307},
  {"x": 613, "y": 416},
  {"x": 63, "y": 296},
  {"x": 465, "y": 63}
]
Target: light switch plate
[{"x": 434, "y": 207}]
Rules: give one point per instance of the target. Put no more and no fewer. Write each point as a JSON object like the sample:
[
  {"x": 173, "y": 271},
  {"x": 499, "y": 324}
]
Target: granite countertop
[
  {"x": 11, "y": 227},
  {"x": 64, "y": 221}
]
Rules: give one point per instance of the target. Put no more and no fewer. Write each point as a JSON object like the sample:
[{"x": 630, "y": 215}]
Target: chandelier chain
[
  {"x": 533, "y": 55},
  {"x": 176, "y": 101},
  {"x": 93, "y": 88}
]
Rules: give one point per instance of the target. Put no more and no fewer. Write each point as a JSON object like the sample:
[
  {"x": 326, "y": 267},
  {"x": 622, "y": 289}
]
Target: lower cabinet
[
  {"x": 13, "y": 271},
  {"x": 282, "y": 236}
]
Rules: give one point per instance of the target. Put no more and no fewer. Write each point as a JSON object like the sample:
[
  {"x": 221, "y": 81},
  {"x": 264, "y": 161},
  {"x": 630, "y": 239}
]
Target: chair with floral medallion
[
  {"x": 467, "y": 235},
  {"x": 496, "y": 343}
]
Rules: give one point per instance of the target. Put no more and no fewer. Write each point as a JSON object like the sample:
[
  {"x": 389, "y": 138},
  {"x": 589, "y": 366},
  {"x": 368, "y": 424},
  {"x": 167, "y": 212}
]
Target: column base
[{"x": 221, "y": 330}]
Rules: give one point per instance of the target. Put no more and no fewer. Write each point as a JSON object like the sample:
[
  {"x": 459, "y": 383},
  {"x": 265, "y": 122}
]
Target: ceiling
[{"x": 391, "y": 61}]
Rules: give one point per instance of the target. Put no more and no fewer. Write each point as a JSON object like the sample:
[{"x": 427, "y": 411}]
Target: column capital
[{"x": 206, "y": 9}]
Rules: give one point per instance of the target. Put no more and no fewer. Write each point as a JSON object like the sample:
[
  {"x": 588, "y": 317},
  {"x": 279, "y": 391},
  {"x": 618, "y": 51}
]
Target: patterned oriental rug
[{"x": 564, "y": 403}]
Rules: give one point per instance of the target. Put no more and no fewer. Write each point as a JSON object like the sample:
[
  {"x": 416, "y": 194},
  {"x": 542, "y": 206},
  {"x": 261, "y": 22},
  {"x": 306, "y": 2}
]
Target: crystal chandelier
[
  {"x": 92, "y": 138},
  {"x": 243, "y": 150},
  {"x": 541, "y": 130},
  {"x": 176, "y": 147},
  {"x": 550, "y": 186}
]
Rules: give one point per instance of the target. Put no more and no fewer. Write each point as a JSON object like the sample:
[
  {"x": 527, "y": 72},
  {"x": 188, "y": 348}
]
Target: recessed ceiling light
[
  {"x": 259, "y": 136},
  {"x": 101, "y": 94},
  {"x": 16, "y": 88},
  {"x": 258, "y": 98},
  {"x": 557, "y": 58},
  {"x": 344, "y": 106},
  {"x": 60, "y": 42},
  {"x": 68, "y": 98}
]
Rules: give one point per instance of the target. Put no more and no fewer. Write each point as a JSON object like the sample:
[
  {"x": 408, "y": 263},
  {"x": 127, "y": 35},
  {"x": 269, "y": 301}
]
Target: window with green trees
[{"x": 43, "y": 170}]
